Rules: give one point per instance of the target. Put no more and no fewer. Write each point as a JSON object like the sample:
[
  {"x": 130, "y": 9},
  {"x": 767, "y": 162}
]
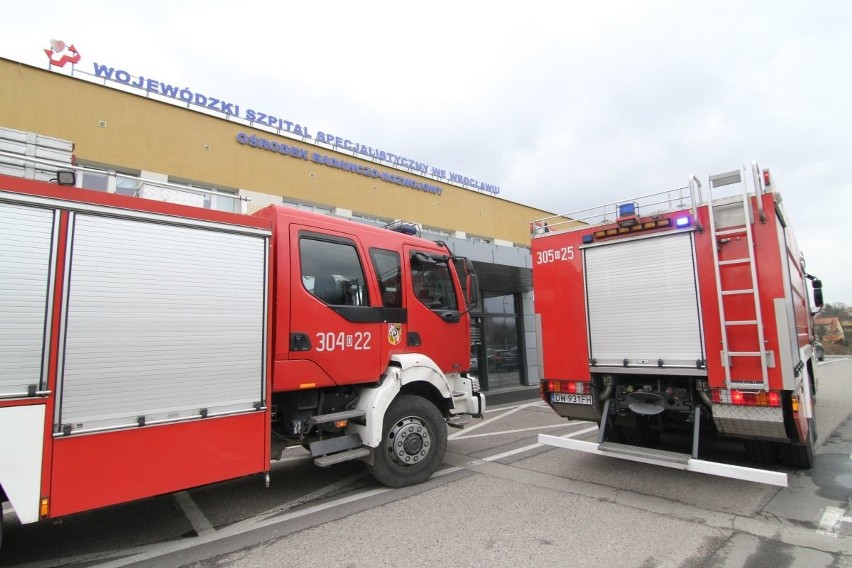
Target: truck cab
[{"x": 363, "y": 314}]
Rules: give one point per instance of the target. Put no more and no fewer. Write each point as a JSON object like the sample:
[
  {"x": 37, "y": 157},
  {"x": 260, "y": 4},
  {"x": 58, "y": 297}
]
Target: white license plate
[{"x": 570, "y": 398}]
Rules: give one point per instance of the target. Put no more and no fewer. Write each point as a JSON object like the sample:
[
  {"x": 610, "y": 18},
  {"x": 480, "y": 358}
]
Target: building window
[
  {"x": 434, "y": 233},
  {"x": 95, "y": 181},
  {"x": 307, "y": 207},
  {"x": 126, "y": 185},
  {"x": 110, "y": 180},
  {"x": 215, "y": 198},
  {"x": 367, "y": 220}
]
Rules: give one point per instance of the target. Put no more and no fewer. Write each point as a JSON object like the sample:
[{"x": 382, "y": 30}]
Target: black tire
[
  {"x": 801, "y": 456},
  {"x": 414, "y": 439},
  {"x": 762, "y": 451}
]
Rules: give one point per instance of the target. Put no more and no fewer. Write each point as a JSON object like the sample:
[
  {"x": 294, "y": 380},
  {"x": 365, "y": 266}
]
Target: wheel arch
[
  {"x": 427, "y": 390},
  {"x": 407, "y": 373}
]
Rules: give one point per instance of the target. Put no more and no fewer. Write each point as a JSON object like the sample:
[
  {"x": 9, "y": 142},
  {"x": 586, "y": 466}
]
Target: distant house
[
  {"x": 829, "y": 329},
  {"x": 846, "y": 321}
]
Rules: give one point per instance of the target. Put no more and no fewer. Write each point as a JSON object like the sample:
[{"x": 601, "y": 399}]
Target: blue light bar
[
  {"x": 588, "y": 239},
  {"x": 626, "y": 209},
  {"x": 682, "y": 222}
]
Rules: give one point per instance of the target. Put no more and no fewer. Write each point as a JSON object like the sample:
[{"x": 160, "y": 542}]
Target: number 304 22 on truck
[{"x": 149, "y": 347}]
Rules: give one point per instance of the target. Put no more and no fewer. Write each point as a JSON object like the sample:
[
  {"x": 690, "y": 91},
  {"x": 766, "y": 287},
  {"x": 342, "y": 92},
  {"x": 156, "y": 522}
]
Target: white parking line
[
  {"x": 829, "y": 521},
  {"x": 149, "y": 552},
  {"x": 193, "y": 513},
  {"x": 313, "y": 496},
  {"x": 269, "y": 518},
  {"x": 509, "y": 453},
  {"x": 490, "y": 420},
  {"x": 536, "y": 445},
  {"x": 832, "y": 360},
  {"x": 551, "y": 426}
]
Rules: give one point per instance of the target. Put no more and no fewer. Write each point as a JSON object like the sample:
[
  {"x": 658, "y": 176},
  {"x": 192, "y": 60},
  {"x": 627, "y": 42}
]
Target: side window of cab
[
  {"x": 388, "y": 268},
  {"x": 332, "y": 271},
  {"x": 432, "y": 282}
]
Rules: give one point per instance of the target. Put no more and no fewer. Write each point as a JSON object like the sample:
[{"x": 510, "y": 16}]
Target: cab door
[
  {"x": 437, "y": 323},
  {"x": 387, "y": 267},
  {"x": 333, "y": 324}
]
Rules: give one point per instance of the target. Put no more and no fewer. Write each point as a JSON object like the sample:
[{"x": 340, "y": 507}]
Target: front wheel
[{"x": 413, "y": 443}]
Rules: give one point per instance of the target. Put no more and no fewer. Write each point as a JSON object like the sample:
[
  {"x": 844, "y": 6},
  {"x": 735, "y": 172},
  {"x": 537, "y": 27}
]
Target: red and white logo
[
  {"x": 394, "y": 333},
  {"x": 59, "y": 54}
]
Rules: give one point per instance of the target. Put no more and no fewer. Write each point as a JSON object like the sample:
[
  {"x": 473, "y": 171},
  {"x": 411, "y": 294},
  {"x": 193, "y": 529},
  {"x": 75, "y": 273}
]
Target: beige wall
[{"x": 143, "y": 134}]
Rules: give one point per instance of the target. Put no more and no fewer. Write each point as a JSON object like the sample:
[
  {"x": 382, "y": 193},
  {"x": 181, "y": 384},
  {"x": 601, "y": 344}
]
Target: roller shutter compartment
[
  {"x": 163, "y": 322},
  {"x": 643, "y": 302},
  {"x": 26, "y": 252}
]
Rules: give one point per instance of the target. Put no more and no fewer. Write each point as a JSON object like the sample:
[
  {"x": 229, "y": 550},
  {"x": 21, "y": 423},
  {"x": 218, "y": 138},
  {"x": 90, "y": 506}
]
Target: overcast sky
[{"x": 563, "y": 110}]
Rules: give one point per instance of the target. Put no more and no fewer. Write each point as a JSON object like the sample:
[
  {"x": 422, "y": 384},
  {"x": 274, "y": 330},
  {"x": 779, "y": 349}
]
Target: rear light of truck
[
  {"x": 745, "y": 398},
  {"x": 572, "y": 387}
]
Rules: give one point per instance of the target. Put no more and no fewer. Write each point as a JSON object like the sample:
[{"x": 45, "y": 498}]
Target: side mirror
[
  {"x": 816, "y": 284},
  {"x": 471, "y": 289},
  {"x": 818, "y": 302},
  {"x": 469, "y": 281}
]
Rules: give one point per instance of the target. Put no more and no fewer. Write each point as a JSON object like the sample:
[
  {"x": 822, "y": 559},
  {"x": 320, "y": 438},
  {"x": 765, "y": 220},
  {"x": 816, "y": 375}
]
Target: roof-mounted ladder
[{"x": 718, "y": 234}]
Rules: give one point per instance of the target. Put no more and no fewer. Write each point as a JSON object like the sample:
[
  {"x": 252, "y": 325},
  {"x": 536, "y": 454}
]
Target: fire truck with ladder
[
  {"x": 669, "y": 313},
  {"x": 150, "y": 347}
]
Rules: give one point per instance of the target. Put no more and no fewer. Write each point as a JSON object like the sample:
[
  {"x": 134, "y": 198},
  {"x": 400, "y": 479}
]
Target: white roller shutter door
[
  {"x": 26, "y": 241},
  {"x": 643, "y": 302},
  {"x": 162, "y": 322}
]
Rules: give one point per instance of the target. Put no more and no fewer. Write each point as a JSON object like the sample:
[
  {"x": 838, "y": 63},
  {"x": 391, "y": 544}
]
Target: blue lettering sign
[{"x": 253, "y": 116}]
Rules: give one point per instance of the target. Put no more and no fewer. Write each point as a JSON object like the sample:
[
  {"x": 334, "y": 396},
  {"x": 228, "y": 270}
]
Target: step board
[
  {"x": 640, "y": 452},
  {"x": 458, "y": 421},
  {"x": 645, "y": 455},
  {"x": 341, "y": 457},
  {"x": 335, "y": 416}
]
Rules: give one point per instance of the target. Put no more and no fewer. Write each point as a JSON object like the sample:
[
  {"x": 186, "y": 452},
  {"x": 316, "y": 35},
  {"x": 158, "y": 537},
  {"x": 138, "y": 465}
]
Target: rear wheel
[
  {"x": 802, "y": 456},
  {"x": 762, "y": 451},
  {"x": 413, "y": 444}
]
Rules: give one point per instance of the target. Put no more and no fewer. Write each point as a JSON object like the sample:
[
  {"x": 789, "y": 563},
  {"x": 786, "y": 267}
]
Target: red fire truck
[
  {"x": 148, "y": 347},
  {"x": 672, "y": 313}
]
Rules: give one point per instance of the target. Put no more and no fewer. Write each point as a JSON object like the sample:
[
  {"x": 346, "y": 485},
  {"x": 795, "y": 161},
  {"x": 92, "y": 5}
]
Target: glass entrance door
[{"x": 499, "y": 355}]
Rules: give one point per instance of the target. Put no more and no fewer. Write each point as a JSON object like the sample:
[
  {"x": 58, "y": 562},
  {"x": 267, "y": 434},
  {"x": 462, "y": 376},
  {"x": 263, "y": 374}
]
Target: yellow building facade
[
  {"x": 116, "y": 126},
  {"x": 139, "y": 129}
]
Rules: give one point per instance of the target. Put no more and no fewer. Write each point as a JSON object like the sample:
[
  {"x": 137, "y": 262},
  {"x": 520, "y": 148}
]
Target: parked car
[
  {"x": 819, "y": 350},
  {"x": 506, "y": 359}
]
